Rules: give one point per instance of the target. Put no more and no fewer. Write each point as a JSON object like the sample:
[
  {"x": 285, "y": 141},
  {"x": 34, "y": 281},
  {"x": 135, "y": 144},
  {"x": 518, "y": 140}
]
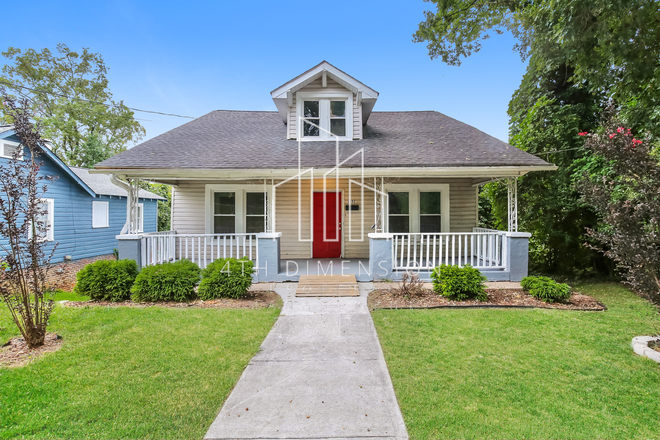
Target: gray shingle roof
[
  {"x": 255, "y": 139},
  {"x": 101, "y": 184}
]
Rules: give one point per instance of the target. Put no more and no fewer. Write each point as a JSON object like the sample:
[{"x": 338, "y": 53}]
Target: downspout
[{"x": 125, "y": 186}]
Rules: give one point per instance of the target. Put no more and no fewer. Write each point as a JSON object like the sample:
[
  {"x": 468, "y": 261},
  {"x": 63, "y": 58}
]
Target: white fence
[
  {"x": 483, "y": 249},
  {"x": 160, "y": 247}
]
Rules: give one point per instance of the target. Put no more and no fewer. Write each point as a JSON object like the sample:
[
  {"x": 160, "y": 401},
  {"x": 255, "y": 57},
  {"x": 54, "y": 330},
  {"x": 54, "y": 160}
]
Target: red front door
[{"x": 327, "y": 244}]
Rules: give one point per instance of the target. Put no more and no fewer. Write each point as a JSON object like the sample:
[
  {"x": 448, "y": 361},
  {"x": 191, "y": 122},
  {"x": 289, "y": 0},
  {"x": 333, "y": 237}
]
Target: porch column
[
  {"x": 512, "y": 192},
  {"x": 129, "y": 244},
  {"x": 517, "y": 245},
  {"x": 268, "y": 256},
  {"x": 380, "y": 256}
]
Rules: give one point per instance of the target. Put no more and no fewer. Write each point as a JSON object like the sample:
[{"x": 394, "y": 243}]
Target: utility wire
[{"x": 11, "y": 85}]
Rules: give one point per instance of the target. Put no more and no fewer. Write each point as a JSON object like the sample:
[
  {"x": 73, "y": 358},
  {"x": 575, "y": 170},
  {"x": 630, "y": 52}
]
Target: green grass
[
  {"x": 527, "y": 373},
  {"x": 130, "y": 373},
  {"x": 61, "y": 295}
]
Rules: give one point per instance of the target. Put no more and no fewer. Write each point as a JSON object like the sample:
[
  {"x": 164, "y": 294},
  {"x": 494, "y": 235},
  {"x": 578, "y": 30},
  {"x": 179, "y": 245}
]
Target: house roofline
[
  {"x": 59, "y": 162},
  {"x": 284, "y": 173}
]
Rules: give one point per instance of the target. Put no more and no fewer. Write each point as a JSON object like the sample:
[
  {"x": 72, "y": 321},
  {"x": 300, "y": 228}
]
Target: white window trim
[
  {"x": 414, "y": 190},
  {"x": 241, "y": 203},
  {"x": 140, "y": 217},
  {"x": 98, "y": 203},
  {"x": 10, "y": 143},
  {"x": 324, "y": 119},
  {"x": 50, "y": 232}
]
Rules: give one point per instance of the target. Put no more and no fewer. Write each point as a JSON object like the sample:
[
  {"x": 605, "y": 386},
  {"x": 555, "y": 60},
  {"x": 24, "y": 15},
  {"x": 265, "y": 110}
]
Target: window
[
  {"x": 399, "y": 211},
  {"x": 255, "y": 212},
  {"x": 45, "y": 222},
  {"x": 429, "y": 212},
  {"x": 7, "y": 149},
  {"x": 140, "y": 217},
  {"x": 236, "y": 208},
  {"x": 100, "y": 214},
  {"x": 417, "y": 208},
  {"x": 224, "y": 213},
  {"x": 332, "y": 114}
]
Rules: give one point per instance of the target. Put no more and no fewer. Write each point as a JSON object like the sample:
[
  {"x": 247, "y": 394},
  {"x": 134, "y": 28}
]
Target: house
[
  {"x": 327, "y": 184},
  {"x": 85, "y": 211}
]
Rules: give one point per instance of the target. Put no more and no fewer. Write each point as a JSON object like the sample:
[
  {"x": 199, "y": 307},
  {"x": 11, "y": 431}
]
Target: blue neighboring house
[{"x": 85, "y": 211}]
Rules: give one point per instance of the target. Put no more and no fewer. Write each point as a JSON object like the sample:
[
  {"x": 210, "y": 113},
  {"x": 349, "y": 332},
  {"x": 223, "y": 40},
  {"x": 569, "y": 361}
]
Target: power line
[{"x": 12, "y": 85}]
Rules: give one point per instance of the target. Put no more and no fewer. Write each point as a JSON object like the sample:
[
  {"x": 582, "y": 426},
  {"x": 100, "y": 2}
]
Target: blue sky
[{"x": 190, "y": 58}]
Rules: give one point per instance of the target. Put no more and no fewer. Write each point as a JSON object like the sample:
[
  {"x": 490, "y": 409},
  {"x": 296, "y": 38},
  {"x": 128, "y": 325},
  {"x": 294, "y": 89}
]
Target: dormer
[{"x": 327, "y": 97}]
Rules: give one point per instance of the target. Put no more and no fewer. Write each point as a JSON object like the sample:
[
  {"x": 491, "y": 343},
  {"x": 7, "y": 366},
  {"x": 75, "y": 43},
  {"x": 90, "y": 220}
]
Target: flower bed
[
  {"x": 251, "y": 300},
  {"x": 390, "y": 299}
]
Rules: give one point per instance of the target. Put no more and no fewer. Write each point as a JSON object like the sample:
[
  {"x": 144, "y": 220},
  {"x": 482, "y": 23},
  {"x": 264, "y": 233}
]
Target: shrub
[
  {"x": 167, "y": 282},
  {"x": 226, "y": 278},
  {"x": 459, "y": 283},
  {"x": 546, "y": 289},
  {"x": 107, "y": 280}
]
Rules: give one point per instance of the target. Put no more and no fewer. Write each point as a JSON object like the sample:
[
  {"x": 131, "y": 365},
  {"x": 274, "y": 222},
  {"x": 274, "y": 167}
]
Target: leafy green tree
[
  {"x": 164, "y": 207},
  {"x": 612, "y": 46},
  {"x": 71, "y": 99},
  {"x": 546, "y": 114}
]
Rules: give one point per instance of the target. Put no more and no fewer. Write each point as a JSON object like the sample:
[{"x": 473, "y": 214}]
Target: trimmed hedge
[
  {"x": 459, "y": 283},
  {"x": 107, "y": 280},
  {"x": 166, "y": 282},
  {"x": 226, "y": 278},
  {"x": 546, "y": 289}
]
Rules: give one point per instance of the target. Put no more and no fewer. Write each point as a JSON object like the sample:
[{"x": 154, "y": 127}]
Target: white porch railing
[
  {"x": 202, "y": 249},
  {"x": 483, "y": 249}
]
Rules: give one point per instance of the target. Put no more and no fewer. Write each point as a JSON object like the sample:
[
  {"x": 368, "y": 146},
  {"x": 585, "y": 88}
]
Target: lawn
[
  {"x": 527, "y": 373},
  {"x": 130, "y": 373}
]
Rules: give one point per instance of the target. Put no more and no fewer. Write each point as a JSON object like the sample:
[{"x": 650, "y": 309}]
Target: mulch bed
[
  {"x": 252, "y": 300},
  {"x": 16, "y": 353},
  {"x": 497, "y": 298}
]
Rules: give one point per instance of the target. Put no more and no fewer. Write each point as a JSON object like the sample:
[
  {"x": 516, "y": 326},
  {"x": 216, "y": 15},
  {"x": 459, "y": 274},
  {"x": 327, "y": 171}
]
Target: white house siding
[
  {"x": 188, "y": 212},
  {"x": 331, "y": 86}
]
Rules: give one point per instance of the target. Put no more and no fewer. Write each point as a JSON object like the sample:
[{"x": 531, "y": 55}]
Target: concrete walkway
[{"x": 320, "y": 374}]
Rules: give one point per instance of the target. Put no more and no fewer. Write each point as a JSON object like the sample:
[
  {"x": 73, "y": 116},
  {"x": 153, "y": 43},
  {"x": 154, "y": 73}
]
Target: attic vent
[{"x": 8, "y": 149}]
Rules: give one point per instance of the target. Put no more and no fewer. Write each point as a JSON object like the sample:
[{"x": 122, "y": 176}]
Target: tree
[
  {"x": 622, "y": 183},
  {"x": 613, "y": 47},
  {"x": 70, "y": 97},
  {"x": 547, "y": 112},
  {"x": 24, "y": 264}
]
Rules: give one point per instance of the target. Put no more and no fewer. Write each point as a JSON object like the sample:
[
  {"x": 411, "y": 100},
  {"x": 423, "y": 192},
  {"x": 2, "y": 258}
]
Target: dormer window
[{"x": 332, "y": 114}]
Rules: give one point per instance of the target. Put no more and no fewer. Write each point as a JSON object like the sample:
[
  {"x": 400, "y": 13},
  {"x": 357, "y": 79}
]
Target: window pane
[
  {"x": 429, "y": 223},
  {"x": 9, "y": 149},
  {"x": 338, "y": 127},
  {"x": 254, "y": 224},
  {"x": 399, "y": 224},
  {"x": 311, "y": 109},
  {"x": 310, "y": 130},
  {"x": 224, "y": 224},
  {"x": 429, "y": 203},
  {"x": 338, "y": 108},
  {"x": 255, "y": 204},
  {"x": 398, "y": 202},
  {"x": 224, "y": 203}
]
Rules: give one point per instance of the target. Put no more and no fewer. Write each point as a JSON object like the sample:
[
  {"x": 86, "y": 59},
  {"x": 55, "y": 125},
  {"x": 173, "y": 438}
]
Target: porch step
[{"x": 327, "y": 285}]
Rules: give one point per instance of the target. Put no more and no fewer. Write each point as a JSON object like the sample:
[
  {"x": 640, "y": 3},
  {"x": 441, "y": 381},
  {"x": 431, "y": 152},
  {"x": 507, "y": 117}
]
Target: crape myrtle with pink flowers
[{"x": 621, "y": 182}]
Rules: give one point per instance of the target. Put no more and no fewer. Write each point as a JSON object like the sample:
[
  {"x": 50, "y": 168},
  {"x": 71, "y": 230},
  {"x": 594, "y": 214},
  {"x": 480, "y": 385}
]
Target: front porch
[
  {"x": 500, "y": 255},
  {"x": 373, "y": 228}
]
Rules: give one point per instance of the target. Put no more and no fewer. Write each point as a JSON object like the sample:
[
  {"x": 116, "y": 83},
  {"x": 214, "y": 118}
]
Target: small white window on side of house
[
  {"x": 45, "y": 222},
  {"x": 7, "y": 149},
  {"x": 100, "y": 214},
  {"x": 140, "y": 217},
  {"x": 324, "y": 118}
]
